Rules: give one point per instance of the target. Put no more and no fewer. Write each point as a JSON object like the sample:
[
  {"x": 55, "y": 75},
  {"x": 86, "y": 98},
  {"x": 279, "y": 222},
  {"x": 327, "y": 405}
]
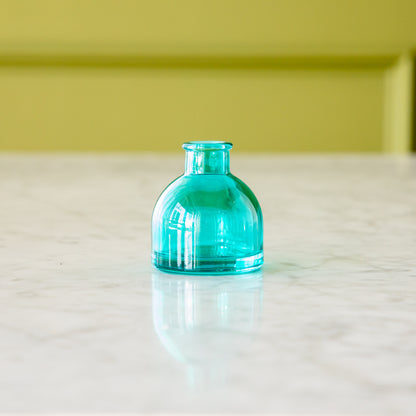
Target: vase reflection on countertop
[{"x": 207, "y": 323}]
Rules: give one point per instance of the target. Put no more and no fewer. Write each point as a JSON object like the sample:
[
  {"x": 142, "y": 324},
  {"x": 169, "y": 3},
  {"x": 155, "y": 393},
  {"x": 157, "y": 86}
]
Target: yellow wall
[{"x": 302, "y": 75}]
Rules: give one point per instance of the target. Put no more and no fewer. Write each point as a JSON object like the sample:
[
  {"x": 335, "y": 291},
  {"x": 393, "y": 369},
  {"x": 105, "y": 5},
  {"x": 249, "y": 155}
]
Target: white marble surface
[{"x": 328, "y": 327}]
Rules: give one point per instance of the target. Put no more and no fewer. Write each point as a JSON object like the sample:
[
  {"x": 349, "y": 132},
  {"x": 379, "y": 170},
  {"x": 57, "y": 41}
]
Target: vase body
[{"x": 207, "y": 221}]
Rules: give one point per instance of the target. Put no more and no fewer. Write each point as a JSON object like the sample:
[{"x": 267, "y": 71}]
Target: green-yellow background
[{"x": 268, "y": 75}]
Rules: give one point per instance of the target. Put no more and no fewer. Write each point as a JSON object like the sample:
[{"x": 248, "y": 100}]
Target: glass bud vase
[{"x": 207, "y": 221}]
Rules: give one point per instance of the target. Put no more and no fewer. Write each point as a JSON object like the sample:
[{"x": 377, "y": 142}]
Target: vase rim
[{"x": 207, "y": 145}]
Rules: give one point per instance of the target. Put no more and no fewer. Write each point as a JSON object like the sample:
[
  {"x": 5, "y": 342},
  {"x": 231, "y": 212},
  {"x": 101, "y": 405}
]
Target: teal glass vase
[{"x": 207, "y": 221}]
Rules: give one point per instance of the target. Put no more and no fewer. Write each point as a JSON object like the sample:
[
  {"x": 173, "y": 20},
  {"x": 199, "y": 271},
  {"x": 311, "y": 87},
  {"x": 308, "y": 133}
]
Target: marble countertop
[{"x": 87, "y": 326}]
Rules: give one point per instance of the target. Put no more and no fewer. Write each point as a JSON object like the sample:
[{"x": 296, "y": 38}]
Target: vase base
[{"x": 210, "y": 266}]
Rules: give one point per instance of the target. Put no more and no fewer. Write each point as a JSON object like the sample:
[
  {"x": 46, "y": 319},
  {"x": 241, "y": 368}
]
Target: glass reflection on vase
[{"x": 207, "y": 323}]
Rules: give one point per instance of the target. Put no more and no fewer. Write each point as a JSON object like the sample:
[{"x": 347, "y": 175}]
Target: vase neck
[{"x": 207, "y": 158}]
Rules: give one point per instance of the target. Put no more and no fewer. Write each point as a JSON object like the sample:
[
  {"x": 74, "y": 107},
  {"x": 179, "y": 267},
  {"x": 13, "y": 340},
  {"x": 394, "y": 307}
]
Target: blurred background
[{"x": 268, "y": 75}]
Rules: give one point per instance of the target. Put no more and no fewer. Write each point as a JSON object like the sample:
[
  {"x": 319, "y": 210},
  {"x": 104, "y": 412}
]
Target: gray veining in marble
[{"x": 87, "y": 326}]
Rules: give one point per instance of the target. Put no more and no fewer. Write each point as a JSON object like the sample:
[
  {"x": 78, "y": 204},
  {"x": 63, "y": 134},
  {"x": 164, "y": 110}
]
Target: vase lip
[{"x": 207, "y": 145}]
